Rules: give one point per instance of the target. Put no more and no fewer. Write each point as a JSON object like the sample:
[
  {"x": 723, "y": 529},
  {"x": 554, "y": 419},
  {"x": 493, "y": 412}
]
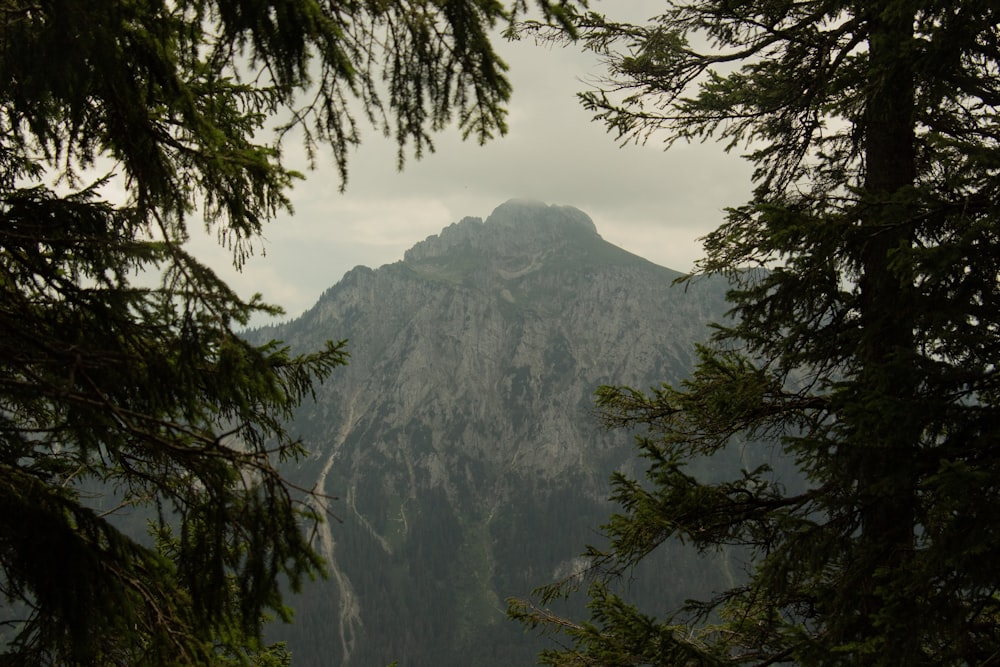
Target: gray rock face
[{"x": 461, "y": 438}]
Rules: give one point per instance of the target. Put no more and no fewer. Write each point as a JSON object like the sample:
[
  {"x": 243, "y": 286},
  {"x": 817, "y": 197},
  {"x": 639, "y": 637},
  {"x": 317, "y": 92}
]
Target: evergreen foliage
[
  {"x": 120, "y": 366},
  {"x": 865, "y": 337}
]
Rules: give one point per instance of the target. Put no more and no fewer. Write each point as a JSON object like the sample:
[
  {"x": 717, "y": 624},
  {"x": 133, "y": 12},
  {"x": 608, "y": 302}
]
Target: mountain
[{"x": 461, "y": 439}]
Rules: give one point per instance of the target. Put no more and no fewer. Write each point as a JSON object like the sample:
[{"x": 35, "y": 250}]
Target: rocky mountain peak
[
  {"x": 462, "y": 436},
  {"x": 513, "y": 227}
]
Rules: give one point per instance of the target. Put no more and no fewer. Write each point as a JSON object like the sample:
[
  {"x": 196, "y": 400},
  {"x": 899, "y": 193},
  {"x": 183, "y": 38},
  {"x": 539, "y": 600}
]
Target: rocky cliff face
[{"x": 461, "y": 439}]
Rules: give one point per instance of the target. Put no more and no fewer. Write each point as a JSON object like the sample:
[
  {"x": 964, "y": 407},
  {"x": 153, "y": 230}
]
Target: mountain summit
[
  {"x": 513, "y": 228},
  {"x": 461, "y": 437}
]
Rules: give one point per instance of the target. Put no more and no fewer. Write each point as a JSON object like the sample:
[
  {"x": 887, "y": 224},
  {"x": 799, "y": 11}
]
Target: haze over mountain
[{"x": 461, "y": 439}]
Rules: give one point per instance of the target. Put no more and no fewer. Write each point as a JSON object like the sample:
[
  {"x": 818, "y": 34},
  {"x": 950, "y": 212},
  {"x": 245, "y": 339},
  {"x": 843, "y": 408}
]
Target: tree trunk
[{"x": 885, "y": 433}]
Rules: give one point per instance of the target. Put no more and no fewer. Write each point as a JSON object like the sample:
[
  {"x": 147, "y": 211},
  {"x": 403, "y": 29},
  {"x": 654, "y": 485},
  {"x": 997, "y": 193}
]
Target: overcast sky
[{"x": 650, "y": 202}]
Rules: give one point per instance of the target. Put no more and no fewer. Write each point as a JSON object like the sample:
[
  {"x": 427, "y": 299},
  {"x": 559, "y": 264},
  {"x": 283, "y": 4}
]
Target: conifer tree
[
  {"x": 121, "y": 368},
  {"x": 864, "y": 339}
]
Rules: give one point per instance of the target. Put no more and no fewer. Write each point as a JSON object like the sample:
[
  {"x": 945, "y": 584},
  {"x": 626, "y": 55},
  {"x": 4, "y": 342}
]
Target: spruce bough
[
  {"x": 864, "y": 337},
  {"x": 121, "y": 369}
]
